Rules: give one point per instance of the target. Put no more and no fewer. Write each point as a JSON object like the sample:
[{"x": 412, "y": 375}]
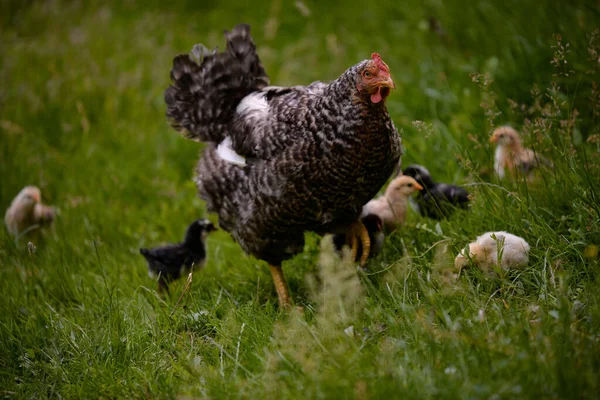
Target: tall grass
[{"x": 82, "y": 117}]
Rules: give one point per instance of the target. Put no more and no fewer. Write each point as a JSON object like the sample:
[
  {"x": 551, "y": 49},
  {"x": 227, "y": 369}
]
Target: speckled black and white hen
[
  {"x": 436, "y": 200},
  {"x": 171, "y": 262},
  {"x": 283, "y": 160}
]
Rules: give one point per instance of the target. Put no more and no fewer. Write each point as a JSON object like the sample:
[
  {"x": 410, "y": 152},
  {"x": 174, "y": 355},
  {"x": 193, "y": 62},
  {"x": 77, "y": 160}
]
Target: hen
[{"x": 283, "y": 160}]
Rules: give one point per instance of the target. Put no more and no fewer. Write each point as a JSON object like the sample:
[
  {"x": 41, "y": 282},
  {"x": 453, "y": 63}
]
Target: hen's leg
[
  {"x": 281, "y": 286},
  {"x": 356, "y": 233}
]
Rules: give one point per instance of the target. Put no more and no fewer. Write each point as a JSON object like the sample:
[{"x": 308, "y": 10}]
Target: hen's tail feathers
[{"x": 207, "y": 86}]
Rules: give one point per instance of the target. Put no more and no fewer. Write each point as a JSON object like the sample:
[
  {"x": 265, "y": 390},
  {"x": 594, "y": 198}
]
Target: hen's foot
[
  {"x": 281, "y": 286},
  {"x": 358, "y": 234}
]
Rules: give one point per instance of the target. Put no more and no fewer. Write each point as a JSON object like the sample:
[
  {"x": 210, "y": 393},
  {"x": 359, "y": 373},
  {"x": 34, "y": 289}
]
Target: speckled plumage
[{"x": 314, "y": 154}]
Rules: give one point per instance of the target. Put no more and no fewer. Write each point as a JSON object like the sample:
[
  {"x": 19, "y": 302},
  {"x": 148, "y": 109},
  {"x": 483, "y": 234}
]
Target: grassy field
[{"x": 82, "y": 117}]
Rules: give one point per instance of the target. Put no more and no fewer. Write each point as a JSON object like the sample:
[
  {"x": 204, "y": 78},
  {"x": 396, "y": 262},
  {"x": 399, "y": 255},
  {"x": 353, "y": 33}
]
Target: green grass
[{"x": 82, "y": 116}]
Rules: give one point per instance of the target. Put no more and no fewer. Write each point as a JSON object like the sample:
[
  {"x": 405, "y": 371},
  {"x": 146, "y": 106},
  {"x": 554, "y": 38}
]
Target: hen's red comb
[{"x": 379, "y": 62}]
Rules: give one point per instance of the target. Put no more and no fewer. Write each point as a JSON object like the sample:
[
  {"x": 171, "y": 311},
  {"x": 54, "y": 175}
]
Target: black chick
[
  {"x": 374, "y": 226},
  {"x": 173, "y": 261},
  {"x": 436, "y": 200}
]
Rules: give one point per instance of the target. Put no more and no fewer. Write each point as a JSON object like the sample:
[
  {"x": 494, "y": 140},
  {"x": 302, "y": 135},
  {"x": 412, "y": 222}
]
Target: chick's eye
[{"x": 409, "y": 185}]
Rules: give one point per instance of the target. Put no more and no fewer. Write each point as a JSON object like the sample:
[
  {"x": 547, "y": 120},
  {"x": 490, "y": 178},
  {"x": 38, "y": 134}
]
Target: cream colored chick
[
  {"x": 483, "y": 252},
  {"x": 391, "y": 207},
  {"x": 27, "y": 210},
  {"x": 511, "y": 155}
]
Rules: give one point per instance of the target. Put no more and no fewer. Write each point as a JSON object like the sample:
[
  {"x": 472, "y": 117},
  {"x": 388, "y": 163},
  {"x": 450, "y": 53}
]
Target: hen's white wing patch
[
  {"x": 226, "y": 152},
  {"x": 253, "y": 107}
]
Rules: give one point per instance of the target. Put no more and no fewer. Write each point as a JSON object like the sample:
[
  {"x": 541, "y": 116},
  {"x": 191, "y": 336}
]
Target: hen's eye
[{"x": 367, "y": 74}]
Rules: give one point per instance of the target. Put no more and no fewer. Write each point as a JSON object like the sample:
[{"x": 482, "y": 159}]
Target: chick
[
  {"x": 484, "y": 252},
  {"x": 27, "y": 211},
  {"x": 436, "y": 200},
  {"x": 391, "y": 207},
  {"x": 511, "y": 155},
  {"x": 170, "y": 262},
  {"x": 374, "y": 226}
]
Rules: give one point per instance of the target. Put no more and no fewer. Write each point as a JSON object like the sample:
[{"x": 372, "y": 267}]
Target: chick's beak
[
  {"x": 35, "y": 197},
  {"x": 493, "y": 139},
  {"x": 418, "y": 187}
]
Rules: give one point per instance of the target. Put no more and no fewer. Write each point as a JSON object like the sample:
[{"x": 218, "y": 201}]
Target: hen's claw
[{"x": 358, "y": 232}]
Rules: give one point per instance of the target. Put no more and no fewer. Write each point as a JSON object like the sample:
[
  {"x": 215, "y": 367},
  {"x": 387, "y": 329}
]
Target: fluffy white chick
[
  {"x": 484, "y": 252},
  {"x": 510, "y": 154},
  {"x": 391, "y": 207},
  {"x": 27, "y": 210}
]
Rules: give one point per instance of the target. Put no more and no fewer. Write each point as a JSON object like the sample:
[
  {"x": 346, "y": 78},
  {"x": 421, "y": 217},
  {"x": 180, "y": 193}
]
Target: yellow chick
[
  {"x": 483, "y": 252},
  {"x": 511, "y": 155},
  {"x": 27, "y": 210},
  {"x": 391, "y": 207}
]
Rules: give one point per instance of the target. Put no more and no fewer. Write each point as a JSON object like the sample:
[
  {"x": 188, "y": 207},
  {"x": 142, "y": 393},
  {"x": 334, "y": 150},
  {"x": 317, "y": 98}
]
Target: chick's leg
[
  {"x": 281, "y": 286},
  {"x": 358, "y": 233}
]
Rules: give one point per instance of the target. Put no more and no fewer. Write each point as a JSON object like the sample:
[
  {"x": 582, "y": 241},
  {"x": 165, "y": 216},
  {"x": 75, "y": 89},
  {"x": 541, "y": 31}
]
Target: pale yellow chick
[
  {"x": 27, "y": 210},
  {"x": 510, "y": 154},
  {"x": 391, "y": 207},
  {"x": 512, "y": 250}
]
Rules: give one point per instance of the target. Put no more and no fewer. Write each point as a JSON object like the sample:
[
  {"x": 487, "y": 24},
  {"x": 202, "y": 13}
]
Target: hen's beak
[
  {"x": 493, "y": 139},
  {"x": 387, "y": 83}
]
